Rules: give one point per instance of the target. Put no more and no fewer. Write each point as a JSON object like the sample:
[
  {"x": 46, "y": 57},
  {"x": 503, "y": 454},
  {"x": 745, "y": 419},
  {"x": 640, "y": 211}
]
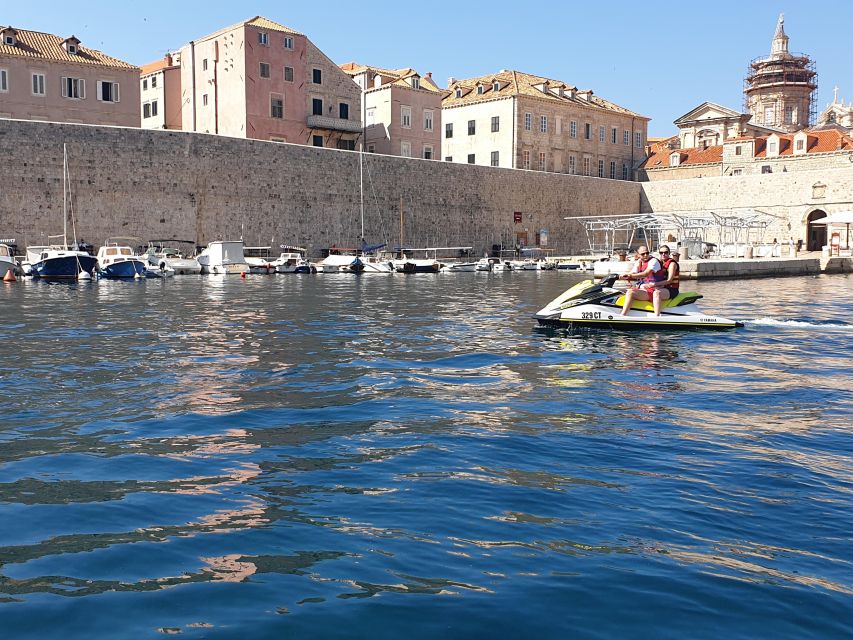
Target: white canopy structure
[{"x": 840, "y": 219}]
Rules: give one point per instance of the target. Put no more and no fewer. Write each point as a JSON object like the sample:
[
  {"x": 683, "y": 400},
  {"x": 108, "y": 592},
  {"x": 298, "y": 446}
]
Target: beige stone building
[
  {"x": 402, "y": 111},
  {"x": 47, "y": 77},
  {"x": 710, "y": 124},
  {"x": 262, "y": 80},
  {"x": 160, "y": 93},
  {"x": 518, "y": 120}
]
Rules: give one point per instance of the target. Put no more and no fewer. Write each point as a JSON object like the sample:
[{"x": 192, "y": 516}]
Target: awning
[{"x": 842, "y": 217}]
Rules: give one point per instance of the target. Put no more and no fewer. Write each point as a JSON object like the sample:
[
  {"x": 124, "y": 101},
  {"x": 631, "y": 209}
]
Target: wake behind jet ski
[{"x": 598, "y": 305}]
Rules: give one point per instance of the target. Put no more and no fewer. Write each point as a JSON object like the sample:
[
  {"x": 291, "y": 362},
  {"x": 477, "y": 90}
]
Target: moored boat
[
  {"x": 164, "y": 255},
  {"x": 223, "y": 257},
  {"x": 118, "y": 261}
]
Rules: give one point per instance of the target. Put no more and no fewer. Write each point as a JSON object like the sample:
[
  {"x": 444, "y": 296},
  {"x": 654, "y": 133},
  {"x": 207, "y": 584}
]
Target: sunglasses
[
  {"x": 642, "y": 253},
  {"x": 664, "y": 253}
]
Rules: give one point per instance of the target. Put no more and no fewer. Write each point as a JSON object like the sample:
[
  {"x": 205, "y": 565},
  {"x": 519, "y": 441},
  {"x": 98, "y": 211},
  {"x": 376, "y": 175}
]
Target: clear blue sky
[{"x": 657, "y": 58}]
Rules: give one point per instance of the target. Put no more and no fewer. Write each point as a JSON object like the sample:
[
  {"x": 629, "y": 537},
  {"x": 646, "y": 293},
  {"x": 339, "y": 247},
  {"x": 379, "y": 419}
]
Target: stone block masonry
[{"x": 171, "y": 184}]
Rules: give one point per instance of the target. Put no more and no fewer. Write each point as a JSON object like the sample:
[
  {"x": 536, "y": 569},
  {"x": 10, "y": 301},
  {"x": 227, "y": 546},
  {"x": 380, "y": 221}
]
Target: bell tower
[{"x": 780, "y": 89}]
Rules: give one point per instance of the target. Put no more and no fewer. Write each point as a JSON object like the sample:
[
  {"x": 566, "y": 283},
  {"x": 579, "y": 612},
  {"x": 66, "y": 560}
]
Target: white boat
[
  {"x": 259, "y": 260},
  {"x": 341, "y": 260},
  {"x": 7, "y": 260},
  {"x": 223, "y": 257},
  {"x": 164, "y": 255},
  {"x": 293, "y": 261},
  {"x": 455, "y": 267},
  {"x": 117, "y": 260},
  {"x": 377, "y": 263}
]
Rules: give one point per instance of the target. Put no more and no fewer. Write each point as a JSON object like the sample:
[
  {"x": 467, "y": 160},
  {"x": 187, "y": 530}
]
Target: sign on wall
[{"x": 516, "y": 217}]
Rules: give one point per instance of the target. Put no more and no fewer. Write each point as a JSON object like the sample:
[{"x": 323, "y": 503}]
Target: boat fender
[
  {"x": 242, "y": 274},
  {"x": 162, "y": 265},
  {"x": 9, "y": 277}
]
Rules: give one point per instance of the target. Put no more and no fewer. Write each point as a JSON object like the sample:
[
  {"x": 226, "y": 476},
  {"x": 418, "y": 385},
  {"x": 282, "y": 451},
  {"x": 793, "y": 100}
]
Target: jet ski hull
[{"x": 599, "y": 306}]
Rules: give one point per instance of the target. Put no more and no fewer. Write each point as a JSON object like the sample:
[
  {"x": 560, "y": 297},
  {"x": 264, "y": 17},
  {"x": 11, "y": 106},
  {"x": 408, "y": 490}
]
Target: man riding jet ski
[{"x": 588, "y": 304}]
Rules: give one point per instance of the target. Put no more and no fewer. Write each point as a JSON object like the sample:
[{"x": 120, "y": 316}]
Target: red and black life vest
[
  {"x": 676, "y": 277},
  {"x": 655, "y": 276}
]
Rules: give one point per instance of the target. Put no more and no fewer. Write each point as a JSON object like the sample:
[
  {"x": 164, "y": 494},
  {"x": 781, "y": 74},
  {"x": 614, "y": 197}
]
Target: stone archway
[{"x": 815, "y": 233}]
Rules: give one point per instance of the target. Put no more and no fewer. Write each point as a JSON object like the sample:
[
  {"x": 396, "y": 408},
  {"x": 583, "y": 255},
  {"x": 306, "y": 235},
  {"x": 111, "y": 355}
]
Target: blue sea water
[{"x": 391, "y": 456}]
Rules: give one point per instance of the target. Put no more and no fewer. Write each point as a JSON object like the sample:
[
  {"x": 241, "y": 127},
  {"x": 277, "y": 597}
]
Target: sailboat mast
[
  {"x": 361, "y": 185},
  {"x": 401, "y": 223},
  {"x": 64, "y": 197}
]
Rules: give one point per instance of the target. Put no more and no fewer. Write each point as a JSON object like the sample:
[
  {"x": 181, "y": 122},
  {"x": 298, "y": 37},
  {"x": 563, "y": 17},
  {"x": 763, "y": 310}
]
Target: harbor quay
[{"x": 170, "y": 184}]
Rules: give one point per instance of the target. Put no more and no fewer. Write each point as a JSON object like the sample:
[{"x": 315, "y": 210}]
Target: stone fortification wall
[
  {"x": 171, "y": 184},
  {"x": 790, "y": 196}
]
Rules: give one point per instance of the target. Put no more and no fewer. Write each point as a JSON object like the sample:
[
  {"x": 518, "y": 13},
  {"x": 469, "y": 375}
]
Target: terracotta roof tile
[
  {"x": 517, "y": 83},
  {"x": 45, "y": 46},
  {"x": 154, "y": 67},
  {"x": 398, "y": 76},
  {"x": 660, "y": 158},
  {"x": 266, "y": 23},
  {"x": 819, "y": 141}
]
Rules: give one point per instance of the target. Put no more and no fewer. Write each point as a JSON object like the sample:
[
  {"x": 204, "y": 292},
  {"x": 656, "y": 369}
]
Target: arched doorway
[{"x": 816, "y": 233}]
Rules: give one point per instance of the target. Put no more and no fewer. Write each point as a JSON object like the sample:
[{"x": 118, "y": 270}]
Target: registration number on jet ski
[{"x": 590, "y": 315}]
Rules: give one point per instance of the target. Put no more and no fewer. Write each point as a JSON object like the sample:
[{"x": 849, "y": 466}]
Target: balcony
[{"x": 334, "y": 124}]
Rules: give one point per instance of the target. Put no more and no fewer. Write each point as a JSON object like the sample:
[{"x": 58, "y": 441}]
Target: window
[
  {"x": 528, "y": 121},
  {"x": 406, "y": 117},
  {"x": 108, "y": 91},
  {"x": 614, "y": 135},
  {"x": 612, "y": 170},
  {"x": 471, "y": 158},
  {"x": 543, "y": 124},
  {"x": 495, "y": 159},
  {"x": 204, "y": 100},
  {"x": 263, "y": 38},
  {"x": 626, "y": 138},
  {"x": 525, "y": 159},
  {"x": 288, "y": 74},
  {"x": 371, "y": 148},
  {"x": 738, "y": 150},
  {"x": 265, "y": 70},
  {"x": 624, "y": 171},
  {"x": 276, "y": 107},
  {"x": 317, "y": 141},
  {"x": 343, "y": 111},
  {"x": 771, "y": 147},
  {"x": 496, "y": 86},
  {"x": 496, "y": 124},
  {"x": 317, "y": 106},
  {"x": 768, "y": 115},
  {"x": 472, "y": 127},
  {"x": 317, "y": 76},
  {"x": 448, "y": 158},
  {"x": 573, "y": 129},
  {"x": 204, "y": 65},
  {"x": 789, "y": 115},
  {"x": 800, "y": 145},
  {"x": 427, "y": 152},
  {"x": 406, "y": 149},
  {"x": 601, "y": 168},
  {"x": 346, "y": 145},
  {"x": 153, "y": 81},
  {"x": 427, "y": 119},
  {"x": 572, "y": 165},
  {"x": 674, "y": 160},
  {"x": 153, "y": 107},
  {"x": 638, "y": 139},
  {"x": 416, "y": 82},
  {"x": 766, "y": 169},
  {"x": 10, "y": 40},
  {"x": 458, "y": 93},
  {"x": 146, "y": 110},
  {"x": 737, "y": 172},
  {"x": 38, "y": 84},
  {"x": 586, "y": 166},
  {"x": 448, "y": 130},
  {"x": 145, "y": 84},
  {"x": 4, "y": 80},
  {"x": 542, "y": 161},
  {"x": 587, "y": 131},
  {"x": 72, "y": 49},
  {"x": 288, "y": 42},
  {"x": 479, "y": 89},
  {"x": 71, "y": 87},
  {"x": 602, "y": 132}
]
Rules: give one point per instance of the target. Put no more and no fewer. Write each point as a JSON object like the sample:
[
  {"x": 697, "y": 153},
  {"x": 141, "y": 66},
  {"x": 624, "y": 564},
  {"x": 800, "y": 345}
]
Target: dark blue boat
[
  {"x": 129, "y": 268},
  {"x": 63, "y": 264}
]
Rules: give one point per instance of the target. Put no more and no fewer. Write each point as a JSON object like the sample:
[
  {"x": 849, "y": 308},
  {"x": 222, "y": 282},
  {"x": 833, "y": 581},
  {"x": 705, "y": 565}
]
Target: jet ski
[{"x": 599, "y": 305}]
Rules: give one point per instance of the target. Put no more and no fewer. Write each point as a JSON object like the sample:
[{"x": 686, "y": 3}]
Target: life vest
[
  {"x": 655, "y": 276},
  {"x": 676, "y": 278}
]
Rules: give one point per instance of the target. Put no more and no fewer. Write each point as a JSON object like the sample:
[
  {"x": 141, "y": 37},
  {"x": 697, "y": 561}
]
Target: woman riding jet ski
[{"x": 599, "y": 305}]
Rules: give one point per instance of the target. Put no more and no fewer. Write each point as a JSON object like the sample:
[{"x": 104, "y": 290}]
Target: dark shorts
[{"x": 673, "y": 291}]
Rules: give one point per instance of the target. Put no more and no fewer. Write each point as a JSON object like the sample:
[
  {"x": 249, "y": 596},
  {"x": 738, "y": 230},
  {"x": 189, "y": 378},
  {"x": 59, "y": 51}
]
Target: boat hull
[
  {"x": 124, "y": 269},
  {"x": 64, "y": 267}
]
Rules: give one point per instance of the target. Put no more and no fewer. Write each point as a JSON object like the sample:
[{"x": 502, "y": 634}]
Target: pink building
[
  {"x": 402, "y": 111},
  {"x": 160, "y": 93},
  {"x": 45, "y": 77},
  {"x": 259, "y": 79}
]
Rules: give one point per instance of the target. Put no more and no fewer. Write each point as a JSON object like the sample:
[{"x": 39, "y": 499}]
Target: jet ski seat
[{"x": 686, "y": 297}]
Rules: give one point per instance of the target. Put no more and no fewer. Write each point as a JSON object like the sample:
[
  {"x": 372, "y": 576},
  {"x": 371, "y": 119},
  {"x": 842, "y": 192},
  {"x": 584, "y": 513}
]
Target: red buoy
[{"x": 9, "y": 277}]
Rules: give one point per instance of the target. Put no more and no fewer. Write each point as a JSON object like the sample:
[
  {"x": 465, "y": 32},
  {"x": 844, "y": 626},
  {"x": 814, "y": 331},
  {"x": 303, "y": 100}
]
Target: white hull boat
[{"x": 223, "y": 257}]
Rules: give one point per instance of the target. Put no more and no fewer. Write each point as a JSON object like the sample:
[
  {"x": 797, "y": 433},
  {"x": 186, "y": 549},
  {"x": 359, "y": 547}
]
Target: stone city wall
[
  {"x": 791, "y": 197},
  {"x": 171, "y": 184}
]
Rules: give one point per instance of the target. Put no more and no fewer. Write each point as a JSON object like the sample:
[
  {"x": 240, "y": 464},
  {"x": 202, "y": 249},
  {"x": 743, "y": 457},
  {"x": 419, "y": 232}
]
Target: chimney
[
  {"x": 168, "y": 59},
  {"x": 450, "y": 80}
]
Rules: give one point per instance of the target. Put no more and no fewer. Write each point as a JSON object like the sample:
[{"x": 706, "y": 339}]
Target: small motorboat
[
  {"x": 164, "y": 256},
  {"x": 223, "y": 257},
  {"x": 118, "y": 261},
  {"x": 599, "y": 305},
  {"x": 293, "y": 261}
]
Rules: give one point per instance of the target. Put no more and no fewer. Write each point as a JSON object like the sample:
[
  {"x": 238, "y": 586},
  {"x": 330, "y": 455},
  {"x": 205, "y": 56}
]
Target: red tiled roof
[
  {"x": 153, "y": 67},
  {"x": 45, "y": 46},
  {"x": 821, "y": 141},
  {"x": 659, "y": 159}
]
